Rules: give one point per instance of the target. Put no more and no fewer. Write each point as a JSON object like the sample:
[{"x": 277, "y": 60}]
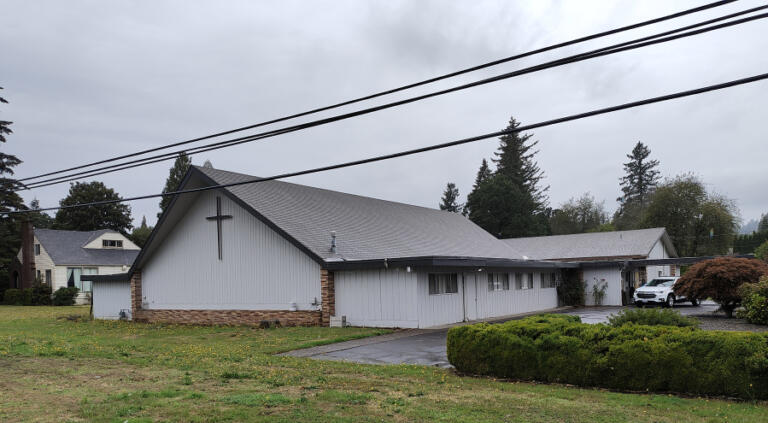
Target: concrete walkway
[{"x": 412, "y": 346}]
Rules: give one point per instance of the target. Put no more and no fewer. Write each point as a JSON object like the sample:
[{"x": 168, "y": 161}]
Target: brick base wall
[
  {"x": 328, "y": 294},
  {"x": 229, "y": 317}
]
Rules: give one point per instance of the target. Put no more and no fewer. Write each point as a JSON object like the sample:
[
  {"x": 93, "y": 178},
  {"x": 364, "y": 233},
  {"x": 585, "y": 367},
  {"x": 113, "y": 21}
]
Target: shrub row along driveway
[{"x": 427, "y": 346}]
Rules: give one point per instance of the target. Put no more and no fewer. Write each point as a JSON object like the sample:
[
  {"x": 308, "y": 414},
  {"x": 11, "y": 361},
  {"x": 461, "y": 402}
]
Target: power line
[
  {"x": 402, "y": 88},
  {"x": 616, "y": 48},
  {"x": 521, "y": 128}
]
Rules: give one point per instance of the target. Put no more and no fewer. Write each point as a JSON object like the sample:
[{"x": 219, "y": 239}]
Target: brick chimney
[{"x": 27, "y": 255}]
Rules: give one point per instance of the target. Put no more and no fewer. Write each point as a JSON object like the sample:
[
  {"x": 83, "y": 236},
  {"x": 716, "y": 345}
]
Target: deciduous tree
[
  {"x": 720, "y": 280},
  {"x": 578, "y": 215},
  {"x": 115, "y": 216}
]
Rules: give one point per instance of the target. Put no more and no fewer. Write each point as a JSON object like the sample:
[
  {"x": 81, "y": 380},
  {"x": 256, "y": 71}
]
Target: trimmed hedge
[
  {"x": 651, "y": 317},
  {"x": 754, "y": 299},
  {"x": 561, "y": 349},
  {"x": 65, "y": 296}
]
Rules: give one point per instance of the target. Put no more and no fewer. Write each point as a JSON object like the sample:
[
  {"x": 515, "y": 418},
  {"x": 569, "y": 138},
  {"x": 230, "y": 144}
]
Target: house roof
[
  {"x": 366, "y": 228},
  {"x": 596, "y": 245},
  {"x": 66, "y": 247}
]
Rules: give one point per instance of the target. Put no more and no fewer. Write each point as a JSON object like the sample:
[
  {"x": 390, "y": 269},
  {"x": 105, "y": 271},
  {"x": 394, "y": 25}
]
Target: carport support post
[{"x": 328, "y": 297}]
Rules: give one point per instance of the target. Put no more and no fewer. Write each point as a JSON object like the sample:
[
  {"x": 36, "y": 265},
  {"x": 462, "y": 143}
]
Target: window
[
  {"x": 39, "y": 275},
  {"x": 37, "y": 249},
  {"x": 549, "y": 280},
  {"x": 48, "y": 276},
  {"x": 74, "y": 274},
  {"x": 523, "y": 281},
  {"x": 112, "y": 243},
  {"x": 443, "y": 283},
  {"x": 498, "y": 281}
]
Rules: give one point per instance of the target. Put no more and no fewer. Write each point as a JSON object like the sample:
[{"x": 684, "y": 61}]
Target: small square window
[{"x": 498, "y": 281}]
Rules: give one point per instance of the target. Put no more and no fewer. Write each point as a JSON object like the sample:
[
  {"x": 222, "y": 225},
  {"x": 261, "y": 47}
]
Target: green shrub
[
  {"x": 652, "y": 317},
  {"x": 13, "y": 296},
  {"x": 630, "y": 357},
  {"x": 40, "y": 294},
  {"x": 65, "y": 296},
  {"x": 754, "y": 299},
  {"x": 761, "y": 251}
]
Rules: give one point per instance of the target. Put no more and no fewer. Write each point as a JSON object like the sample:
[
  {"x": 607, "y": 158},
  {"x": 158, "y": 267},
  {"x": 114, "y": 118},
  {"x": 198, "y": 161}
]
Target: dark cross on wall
[{"x": 218, "y": 218}]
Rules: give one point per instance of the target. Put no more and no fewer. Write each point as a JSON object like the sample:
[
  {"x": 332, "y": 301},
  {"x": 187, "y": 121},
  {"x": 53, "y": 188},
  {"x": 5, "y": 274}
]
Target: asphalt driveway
[{"x": 427, "y": 346}]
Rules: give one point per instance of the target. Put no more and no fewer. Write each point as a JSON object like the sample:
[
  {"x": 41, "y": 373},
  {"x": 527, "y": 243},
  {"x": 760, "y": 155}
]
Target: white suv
[{"x": 659, "y": 291}]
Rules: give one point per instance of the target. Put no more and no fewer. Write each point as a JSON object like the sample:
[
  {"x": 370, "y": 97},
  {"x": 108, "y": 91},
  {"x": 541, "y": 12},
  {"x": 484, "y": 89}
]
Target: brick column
[
  {"x": 328, "y": 296},
  {"x": 135, "y": 293}
]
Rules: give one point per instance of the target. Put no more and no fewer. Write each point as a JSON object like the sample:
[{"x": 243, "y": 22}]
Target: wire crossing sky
[{"x": 90, "y": 80}]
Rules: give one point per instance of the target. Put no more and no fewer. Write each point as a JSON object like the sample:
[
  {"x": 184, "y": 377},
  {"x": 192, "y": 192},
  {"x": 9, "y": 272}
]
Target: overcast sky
[{"x": 88, "y": 80}]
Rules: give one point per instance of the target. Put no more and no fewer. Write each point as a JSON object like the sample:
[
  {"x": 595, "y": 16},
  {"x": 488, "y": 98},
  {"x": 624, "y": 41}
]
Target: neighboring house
[
  {"x": 280, "y": 251},
  {"x": 61, "y": 258},
  {"x": 605, "y": 258}
]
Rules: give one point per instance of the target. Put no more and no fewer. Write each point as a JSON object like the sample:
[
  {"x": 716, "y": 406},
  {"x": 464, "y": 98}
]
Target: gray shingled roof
[
  {"x": 366, "y": 228},
  {"x": 637, "y": 243},
  {"x": 66, "y": 247}
]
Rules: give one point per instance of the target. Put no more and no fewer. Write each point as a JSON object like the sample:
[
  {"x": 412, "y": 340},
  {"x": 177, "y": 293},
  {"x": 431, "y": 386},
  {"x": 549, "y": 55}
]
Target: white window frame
[
  {"x": 112, "y": 243},
  {"x": 88, "y": 284},
  {"x": 549, "y": 279},
  {"x": 443, "y": 283}
]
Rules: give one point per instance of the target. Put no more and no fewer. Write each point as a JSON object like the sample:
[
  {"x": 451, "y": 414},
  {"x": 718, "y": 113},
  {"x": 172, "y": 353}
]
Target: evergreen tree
[
  {"x": 763, "y": 225},
  {"x": 39, "y": 219},
  {"x": 115, "y": 216},
  {"x": 511, "y": 202},
  {"x": 175, "y": 176},
  {"x": 515, "y": 160},
  {"x": 450, "y": 198},
  {"x": 10, "y": 226},
  {"x": 641, "y": 175},
  {"x": 140, "y": 235}
]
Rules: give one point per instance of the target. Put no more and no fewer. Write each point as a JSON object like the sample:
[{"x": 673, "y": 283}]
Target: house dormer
[{"x": 110, "y": 240}]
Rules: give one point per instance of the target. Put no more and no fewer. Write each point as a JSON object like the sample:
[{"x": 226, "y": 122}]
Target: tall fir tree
[
  {"x": 176, "y": 174},
  {"x": 450, "y": 199},
  {"x": 515, "y": 159},
  {"x": 10, "y": 226},
  {"x": 641, "y": 176},
  {"x": 140, "y": 235},
  {"x": 762, "y": 227},
  {"x": 511, "y": 202}
]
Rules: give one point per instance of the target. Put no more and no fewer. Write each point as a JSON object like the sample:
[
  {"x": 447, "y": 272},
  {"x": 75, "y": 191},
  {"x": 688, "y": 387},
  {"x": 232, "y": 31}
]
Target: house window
[
  {"x": 112, "y": 243},
  {"x": 48, "y": 276},
  {"x": 443, "y": 283},
  {"x": 549, "y": 280},
  {"x": 37, "y": 249},
  {"x": 74, "y": 274},
  {"x": 523, "y": 281},
  {"x": 498, "y": 281},
  {"x": 39, "y": 276}
]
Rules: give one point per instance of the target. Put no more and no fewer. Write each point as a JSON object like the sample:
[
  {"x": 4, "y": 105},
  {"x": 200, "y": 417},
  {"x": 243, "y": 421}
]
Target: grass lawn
[{"x": 57, "y": 369}]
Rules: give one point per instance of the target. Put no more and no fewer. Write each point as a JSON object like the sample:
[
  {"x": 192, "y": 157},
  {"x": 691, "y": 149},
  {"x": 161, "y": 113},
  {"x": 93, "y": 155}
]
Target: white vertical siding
[
  {"x": 658, "y": 252},
  {"x": 377, "y": 297},
  {"x": 513, "y": 301},
  {"x": 111, "y": 297},
  {"x": 441, "y": 309},
  {"x": 260, "y": 269},
  {"x": 611, "y": 275}
]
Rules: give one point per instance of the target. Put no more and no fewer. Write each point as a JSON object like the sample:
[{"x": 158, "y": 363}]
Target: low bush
[
  {"x": 652, "y": 317},
  {"x": 570, "y": 291},
  {"x": 754, "y": 299},
  {"x": 40, "y": 294},
  {"x": 13, "y": 296},
  {"x": 555, "y": 348},
  {"x": 65, "y": 296}
]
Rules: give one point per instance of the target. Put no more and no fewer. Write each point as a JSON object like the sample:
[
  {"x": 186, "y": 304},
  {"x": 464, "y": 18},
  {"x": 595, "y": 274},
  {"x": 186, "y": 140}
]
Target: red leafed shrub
[{"x": 720, "y": 279}]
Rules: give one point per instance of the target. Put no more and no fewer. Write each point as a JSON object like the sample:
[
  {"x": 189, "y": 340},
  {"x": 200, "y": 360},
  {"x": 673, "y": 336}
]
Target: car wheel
[
  {"x": 695, "y": 302},
  {"x": 670, "y": 301}
]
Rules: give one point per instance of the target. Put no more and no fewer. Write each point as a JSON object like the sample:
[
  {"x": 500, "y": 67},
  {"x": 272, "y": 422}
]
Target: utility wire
[
  {"x": 402, "y": 88},
  {"x": 616, "y": 48},
  {"x": 373, "y": 159}
]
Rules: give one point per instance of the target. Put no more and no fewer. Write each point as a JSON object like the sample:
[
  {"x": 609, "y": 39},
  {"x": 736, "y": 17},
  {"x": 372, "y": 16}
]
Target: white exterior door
[{"x": 469, "y": 293}]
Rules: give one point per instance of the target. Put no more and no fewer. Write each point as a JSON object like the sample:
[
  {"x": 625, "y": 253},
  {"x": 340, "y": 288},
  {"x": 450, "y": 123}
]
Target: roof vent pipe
[{"x": 333, "y": 242}]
